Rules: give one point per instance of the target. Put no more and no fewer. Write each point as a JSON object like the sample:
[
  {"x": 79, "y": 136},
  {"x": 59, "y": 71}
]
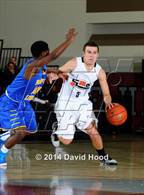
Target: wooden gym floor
[{"x": 37, "y": 168}]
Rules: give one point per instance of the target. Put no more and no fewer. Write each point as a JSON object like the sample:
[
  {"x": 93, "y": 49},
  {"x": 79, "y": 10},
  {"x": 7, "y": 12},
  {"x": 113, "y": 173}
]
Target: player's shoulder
[
  {"x": 97, "y": 68},
  {"x": 31, "y": 68},
  {"x": 79, "y": 59},
  {"x": 73, "y": 60}
]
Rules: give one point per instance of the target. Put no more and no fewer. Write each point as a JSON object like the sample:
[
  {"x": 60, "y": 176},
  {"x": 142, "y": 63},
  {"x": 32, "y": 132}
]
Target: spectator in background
[
  {"x": 13, "y": 60},
  {"x": 10, "y": 73},
  {"x": 1, "y": 83}
]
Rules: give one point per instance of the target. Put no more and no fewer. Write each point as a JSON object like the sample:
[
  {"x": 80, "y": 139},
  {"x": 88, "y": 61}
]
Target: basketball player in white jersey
[{"x": 73, "y": 107}]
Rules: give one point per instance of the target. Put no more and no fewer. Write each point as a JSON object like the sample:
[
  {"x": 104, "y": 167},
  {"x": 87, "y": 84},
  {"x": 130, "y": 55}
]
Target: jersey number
[{"x": 77, "y": 94}]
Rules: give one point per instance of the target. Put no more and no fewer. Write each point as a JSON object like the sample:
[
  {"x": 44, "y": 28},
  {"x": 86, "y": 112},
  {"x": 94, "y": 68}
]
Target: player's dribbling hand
[
  {"x": 108, "y": 102},
  {"x": 71, "y": 34},
  {"x": 108, "y": 106}
]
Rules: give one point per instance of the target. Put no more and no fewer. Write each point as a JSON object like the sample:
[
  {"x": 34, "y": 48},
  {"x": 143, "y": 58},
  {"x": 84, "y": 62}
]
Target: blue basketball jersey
[{"x": 22, "y": 89}]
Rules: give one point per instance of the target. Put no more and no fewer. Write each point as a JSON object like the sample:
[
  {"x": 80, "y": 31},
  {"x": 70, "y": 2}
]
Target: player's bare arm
[
  {"x": 105, "y": 89},
  {"x": 62, "y": 72},
  {"x": 69, "y": 66},
  {"x": 34, "y": 67}
]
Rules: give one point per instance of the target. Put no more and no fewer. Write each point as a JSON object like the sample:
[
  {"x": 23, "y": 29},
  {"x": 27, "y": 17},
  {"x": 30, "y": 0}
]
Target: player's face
[
  {"x": 90, "y": 55},
  {"x": 13, "y": 60}
]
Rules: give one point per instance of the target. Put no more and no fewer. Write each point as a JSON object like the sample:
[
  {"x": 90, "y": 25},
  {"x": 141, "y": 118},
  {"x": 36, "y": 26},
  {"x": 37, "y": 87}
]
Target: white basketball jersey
[{"x": 79, "y": 83}]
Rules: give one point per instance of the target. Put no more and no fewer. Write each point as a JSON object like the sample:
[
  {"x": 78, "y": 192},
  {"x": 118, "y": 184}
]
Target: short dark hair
[
  {"x": 91, "y": 44},
  {"x": 38, "y": 47}
]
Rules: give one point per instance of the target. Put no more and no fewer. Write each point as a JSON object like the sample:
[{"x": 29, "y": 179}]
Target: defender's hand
[
  {"x": 71, "y": 34},
  {"x": 52, "y": 77},
  {"x": 63, "y": 76}
]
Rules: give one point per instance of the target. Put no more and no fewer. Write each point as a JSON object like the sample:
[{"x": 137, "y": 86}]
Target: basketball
[{"x": 116, "y": 115}]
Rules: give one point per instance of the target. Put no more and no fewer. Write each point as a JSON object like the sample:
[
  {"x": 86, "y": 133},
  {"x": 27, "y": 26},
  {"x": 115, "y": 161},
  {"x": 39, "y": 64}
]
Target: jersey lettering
[
  {"x": 36, "y": 90},
  {"x": 29, "y": 97},
  {"x": 80, "y": 83}
]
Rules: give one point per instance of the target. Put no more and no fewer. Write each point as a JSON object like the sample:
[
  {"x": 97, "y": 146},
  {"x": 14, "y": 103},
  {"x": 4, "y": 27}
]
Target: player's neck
[{"x": 89, "y": 67}]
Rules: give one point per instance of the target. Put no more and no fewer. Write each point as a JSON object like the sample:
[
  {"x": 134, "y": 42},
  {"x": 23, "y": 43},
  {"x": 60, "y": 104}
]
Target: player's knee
[
  {"x": 65, "y": 141},
  {"x": 92, "y": 131}
]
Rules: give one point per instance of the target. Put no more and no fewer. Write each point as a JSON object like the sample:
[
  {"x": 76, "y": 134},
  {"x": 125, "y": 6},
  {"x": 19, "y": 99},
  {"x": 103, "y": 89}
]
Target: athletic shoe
[
  {"x": 54, "y": 139},
  {"x": 3, "y": 161},
  {"x": 4, "y": 135},
  {"x": 1, "y": 142}
]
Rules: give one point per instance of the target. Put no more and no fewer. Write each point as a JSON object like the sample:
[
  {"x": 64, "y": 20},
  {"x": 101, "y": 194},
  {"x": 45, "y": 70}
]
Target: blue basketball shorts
[{"x": 15, "y": 115}]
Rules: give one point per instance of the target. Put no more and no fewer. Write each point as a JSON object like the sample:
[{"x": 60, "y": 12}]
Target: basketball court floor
[{"x": 37, "y": 168}]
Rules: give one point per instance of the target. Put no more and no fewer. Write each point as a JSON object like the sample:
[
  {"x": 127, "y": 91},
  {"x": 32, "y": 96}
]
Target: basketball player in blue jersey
[{"x": 16, "y": 113}]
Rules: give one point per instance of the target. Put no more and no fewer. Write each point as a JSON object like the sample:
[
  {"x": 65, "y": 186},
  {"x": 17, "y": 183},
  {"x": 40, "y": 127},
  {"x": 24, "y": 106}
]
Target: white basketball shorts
[{"x": 71, "y": 114}]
